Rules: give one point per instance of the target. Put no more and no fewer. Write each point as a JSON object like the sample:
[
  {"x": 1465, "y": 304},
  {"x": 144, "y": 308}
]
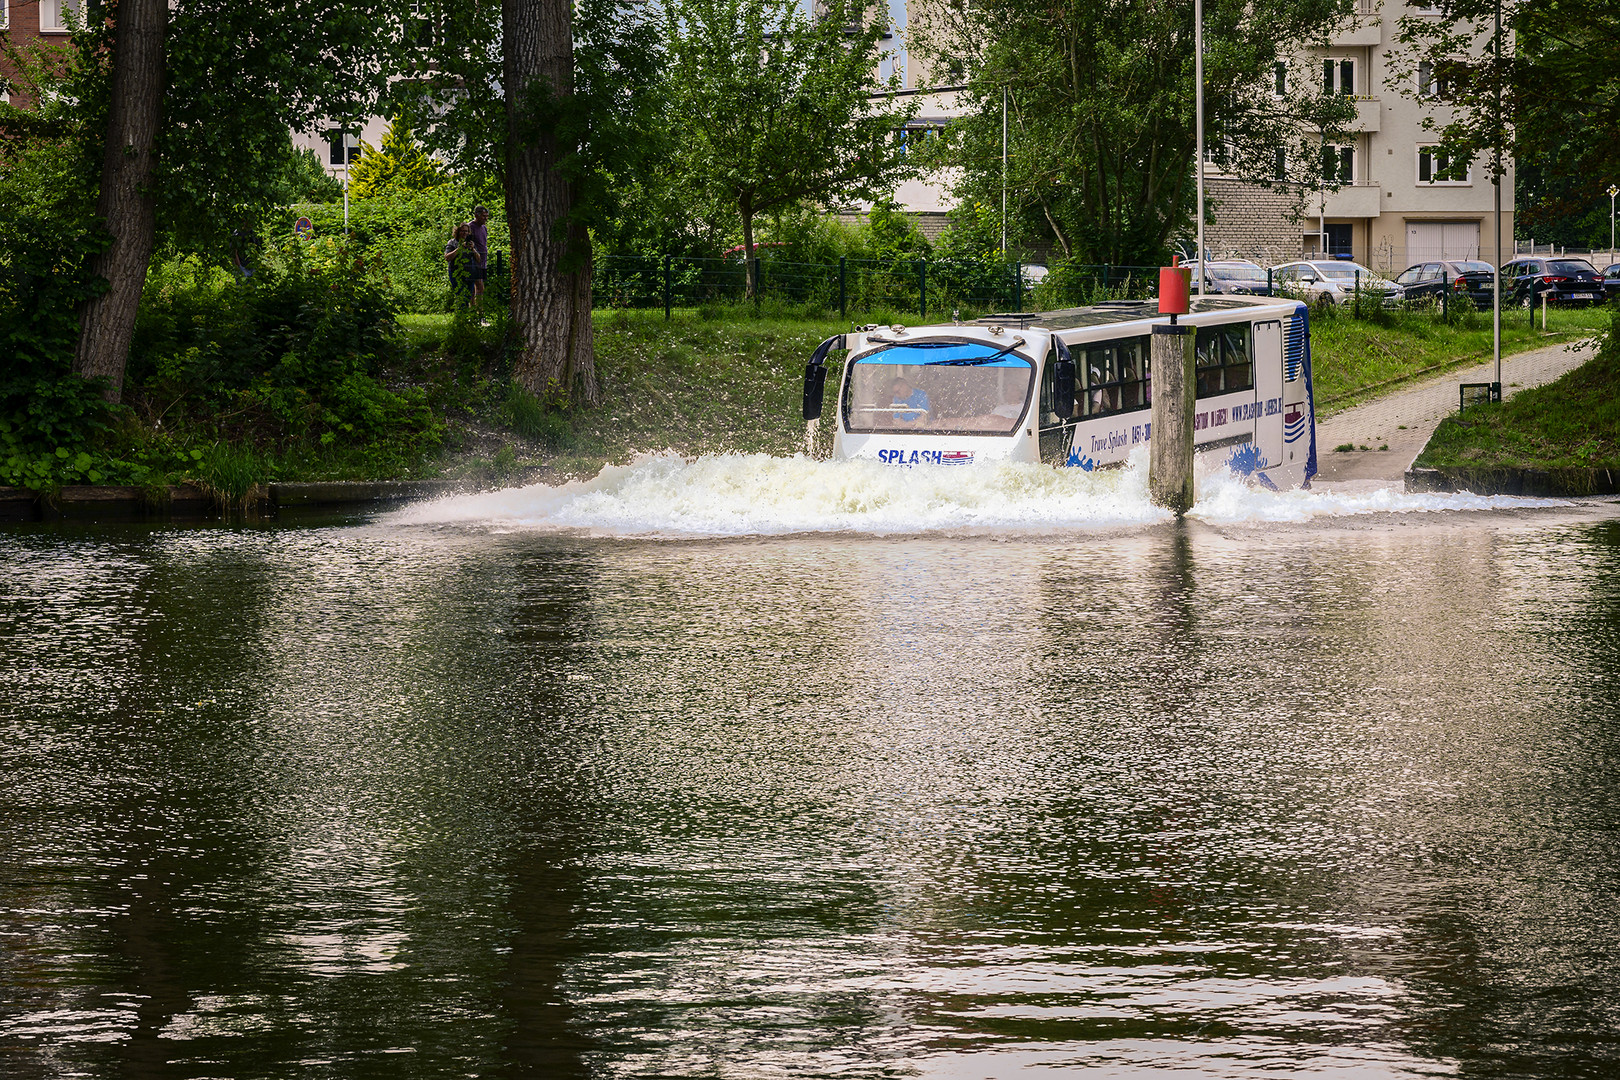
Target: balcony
[
  {"x": 1355, "y": 201},
  {"x": 1368, "y": 115},
  {"x": 1365, "y": 27}
]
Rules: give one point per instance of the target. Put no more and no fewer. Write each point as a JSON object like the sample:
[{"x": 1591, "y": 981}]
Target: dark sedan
[
  {"x": 1563, "y": 280},
  {"x": 1611, "y": 281},
  {"x": 1455, "y": 277}
]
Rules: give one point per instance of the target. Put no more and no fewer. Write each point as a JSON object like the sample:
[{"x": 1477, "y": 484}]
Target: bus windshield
[{"x": 955, "y": 387}]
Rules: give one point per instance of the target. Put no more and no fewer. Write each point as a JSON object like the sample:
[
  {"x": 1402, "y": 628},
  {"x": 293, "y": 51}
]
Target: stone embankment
[{"x": 186, "y": 500}]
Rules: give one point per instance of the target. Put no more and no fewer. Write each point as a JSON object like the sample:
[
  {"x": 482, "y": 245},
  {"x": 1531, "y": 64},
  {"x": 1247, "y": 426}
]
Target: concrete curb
[
  {"x": 186, "y": 500},
  {"x": 1481, "y": 481}
]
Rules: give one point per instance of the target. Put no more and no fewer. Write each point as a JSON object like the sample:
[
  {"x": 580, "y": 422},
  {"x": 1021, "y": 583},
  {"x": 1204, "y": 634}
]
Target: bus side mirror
[
  {"x": 815, "y": 383},
  {"x": 815, "y": 377},
  {"x": 1063, "y": 383}
]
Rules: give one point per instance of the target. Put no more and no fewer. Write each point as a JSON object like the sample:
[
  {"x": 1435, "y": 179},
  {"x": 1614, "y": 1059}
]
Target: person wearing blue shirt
[{"x": 904, "y": 394}]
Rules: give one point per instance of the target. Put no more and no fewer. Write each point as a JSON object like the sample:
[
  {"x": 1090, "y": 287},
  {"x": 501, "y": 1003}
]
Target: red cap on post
[{"x": 1175, "y": 284}]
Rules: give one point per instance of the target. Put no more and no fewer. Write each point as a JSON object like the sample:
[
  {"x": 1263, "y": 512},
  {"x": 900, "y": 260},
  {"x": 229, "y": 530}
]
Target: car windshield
[
  {"x": 1343, "y": 271},
  {"x": 1237, "y": 273},
  {"x": 938, "y": 387},
  {"x": 1472, "y": 267},
  {"x": 1570, "y": 266}
]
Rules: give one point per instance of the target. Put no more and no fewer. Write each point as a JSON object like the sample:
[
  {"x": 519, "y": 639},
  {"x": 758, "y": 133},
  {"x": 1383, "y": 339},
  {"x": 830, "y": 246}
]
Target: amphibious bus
[{"x": 1075, "y": 388}]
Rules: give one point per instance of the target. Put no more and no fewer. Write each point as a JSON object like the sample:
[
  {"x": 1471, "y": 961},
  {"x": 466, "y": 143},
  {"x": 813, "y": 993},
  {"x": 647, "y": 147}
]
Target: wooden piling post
[{"x": 1170, "y": 460}]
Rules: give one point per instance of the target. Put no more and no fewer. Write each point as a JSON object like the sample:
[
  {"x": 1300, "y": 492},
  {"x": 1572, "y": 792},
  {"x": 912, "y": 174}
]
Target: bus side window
[
  {"x": 1208, "y": 365},
  {"x": 1238, "y": 357}
]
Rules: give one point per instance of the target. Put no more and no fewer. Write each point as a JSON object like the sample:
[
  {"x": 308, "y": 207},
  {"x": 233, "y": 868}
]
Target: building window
[
  {"x": 1440, "y": 80},
  {"x": 1339, "y": 164},
  {"x": 1279, "y": 164},
  {"x": 1338, "y": 76},
  {"x": 55, "y": 15},
  {"x": 343, "y": 147},
  {"x": 1434, "y": 166},
  {"x": 1279, "y": 75}
]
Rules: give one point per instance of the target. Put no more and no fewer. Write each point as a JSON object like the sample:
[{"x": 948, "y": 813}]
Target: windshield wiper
[{"x": 976, "y": 361}]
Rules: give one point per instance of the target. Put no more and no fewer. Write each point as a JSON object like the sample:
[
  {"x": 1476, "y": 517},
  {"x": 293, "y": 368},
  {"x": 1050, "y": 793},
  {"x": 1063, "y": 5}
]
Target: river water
[{"x": 759, "y": 768}]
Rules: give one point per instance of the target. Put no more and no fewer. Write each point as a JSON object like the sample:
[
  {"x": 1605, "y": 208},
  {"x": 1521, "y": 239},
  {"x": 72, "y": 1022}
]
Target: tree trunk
[
  {"x": 551, "y": 255},
  {"x": 746, "y": 209},
  {"x": 126, "y": 204}
]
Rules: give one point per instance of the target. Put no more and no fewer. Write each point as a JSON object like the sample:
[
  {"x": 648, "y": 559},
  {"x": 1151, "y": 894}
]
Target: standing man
[{"x": 478, "y": 236}]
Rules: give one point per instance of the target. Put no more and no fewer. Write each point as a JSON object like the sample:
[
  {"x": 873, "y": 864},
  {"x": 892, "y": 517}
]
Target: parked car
[
  {"x": 1332, "y": 281},
  {"x": 1611, "y": 281},
  {"x": 1237, "y": 277},
  {"x": 1458, "y": 277},
  {"x": 1560, "y": 280}
]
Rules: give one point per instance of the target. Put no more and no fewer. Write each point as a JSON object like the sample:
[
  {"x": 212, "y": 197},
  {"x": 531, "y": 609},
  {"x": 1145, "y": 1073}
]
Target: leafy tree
[
  {"x": 304, "y": 179},
  {"x": 774, "y": 108},
  {"x": 1550, "y": 97},
  {"x": 1100, "y": 105},
  {"x": 399, "y": 163},
  {"x": 551, "y": 98},
  {"x": 191, "y": 98}
]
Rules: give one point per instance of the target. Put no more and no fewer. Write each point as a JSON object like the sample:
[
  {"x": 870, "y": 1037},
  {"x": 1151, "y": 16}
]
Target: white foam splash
[
  {"x": 1227, "y": 499},
  {"x": 755, "y": 494},
  {"x": 758, "y": 495}
]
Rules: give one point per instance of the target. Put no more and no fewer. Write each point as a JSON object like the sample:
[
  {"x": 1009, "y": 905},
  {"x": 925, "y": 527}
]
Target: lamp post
[
  {"x": 1613, "y": 191},
  {"x": 1496, "y": 184},
  {"x": 1198, "y": 77}
]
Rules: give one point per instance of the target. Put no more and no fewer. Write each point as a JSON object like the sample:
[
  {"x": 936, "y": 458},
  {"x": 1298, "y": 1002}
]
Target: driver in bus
[{"x": 903, "y": 393}]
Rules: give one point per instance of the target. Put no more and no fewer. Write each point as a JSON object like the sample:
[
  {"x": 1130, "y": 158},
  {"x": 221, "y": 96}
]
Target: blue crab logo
[
  {"x": 1078, "y": 461},
  {"x": 1247, "y": 460}
]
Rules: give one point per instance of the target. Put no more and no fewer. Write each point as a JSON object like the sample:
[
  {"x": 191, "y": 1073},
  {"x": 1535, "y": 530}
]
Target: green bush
[{"x": 400, "y": 235}]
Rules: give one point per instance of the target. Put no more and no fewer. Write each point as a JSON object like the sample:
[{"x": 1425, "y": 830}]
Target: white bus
[{"x": 1073, "y": 388}]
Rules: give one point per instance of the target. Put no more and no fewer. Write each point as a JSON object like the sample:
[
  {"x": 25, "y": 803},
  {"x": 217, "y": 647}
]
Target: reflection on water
[{"x": 451, "y": 798}]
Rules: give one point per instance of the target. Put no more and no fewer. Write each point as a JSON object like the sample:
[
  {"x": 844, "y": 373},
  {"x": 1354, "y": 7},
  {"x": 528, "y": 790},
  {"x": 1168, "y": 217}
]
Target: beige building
[{"x": 1399, "y": 202}]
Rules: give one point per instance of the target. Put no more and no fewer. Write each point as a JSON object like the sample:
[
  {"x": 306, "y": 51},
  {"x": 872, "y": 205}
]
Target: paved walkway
[{"x": 1404, "y": 420}]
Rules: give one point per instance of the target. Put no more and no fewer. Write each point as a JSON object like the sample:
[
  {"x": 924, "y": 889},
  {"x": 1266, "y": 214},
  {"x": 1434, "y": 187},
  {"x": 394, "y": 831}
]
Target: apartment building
[
  {"x": 25, "y": 22},
  {"x": 1399, "y": 201}
]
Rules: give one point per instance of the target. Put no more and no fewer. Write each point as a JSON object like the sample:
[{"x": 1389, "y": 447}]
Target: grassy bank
[
  {"x": 430, "y": 396},
  {"x": 1574, "y": 421},
  {"x": 1352, "y": 354}
]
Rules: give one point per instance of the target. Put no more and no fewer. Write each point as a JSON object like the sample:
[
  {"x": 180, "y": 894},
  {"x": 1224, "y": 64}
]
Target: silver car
[
  {"x": 1325, "y": 281},
  {"x": 1238, "y": 277}
]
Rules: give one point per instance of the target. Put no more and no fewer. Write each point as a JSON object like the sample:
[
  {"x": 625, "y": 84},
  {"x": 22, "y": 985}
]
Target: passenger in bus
[{"x": 903, "y": 393}]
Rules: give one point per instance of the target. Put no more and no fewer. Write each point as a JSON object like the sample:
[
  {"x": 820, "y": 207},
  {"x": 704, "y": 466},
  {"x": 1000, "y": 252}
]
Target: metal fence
[{"x": 941, "y": 287}]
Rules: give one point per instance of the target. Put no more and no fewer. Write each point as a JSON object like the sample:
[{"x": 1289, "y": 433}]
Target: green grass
[
  {"x": 1351, "y": 354},
  {"x": 1574, "y": 421}
]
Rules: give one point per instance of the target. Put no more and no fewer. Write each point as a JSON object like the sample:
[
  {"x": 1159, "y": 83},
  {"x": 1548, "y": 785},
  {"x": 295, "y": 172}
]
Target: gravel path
[{"x": 1404, "y": 420}]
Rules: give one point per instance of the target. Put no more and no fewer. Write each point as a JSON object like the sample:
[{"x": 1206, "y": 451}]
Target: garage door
[{"x": 1430, "y": 240}]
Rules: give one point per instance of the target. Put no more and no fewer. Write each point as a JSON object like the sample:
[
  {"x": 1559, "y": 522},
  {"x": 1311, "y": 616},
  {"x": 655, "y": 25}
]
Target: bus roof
[{"x": 1121, "y": 311}]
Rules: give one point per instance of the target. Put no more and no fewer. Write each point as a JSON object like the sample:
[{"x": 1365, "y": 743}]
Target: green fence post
[
  {"x": 1018, "y": 286},
  {"x": 759, "y": 282},
  {"x": 843, "y": 295},
  {"x": 1358, "y": 294},
  {"x": 667, "y": 287},
  {"x": 922, "y": 288}
]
